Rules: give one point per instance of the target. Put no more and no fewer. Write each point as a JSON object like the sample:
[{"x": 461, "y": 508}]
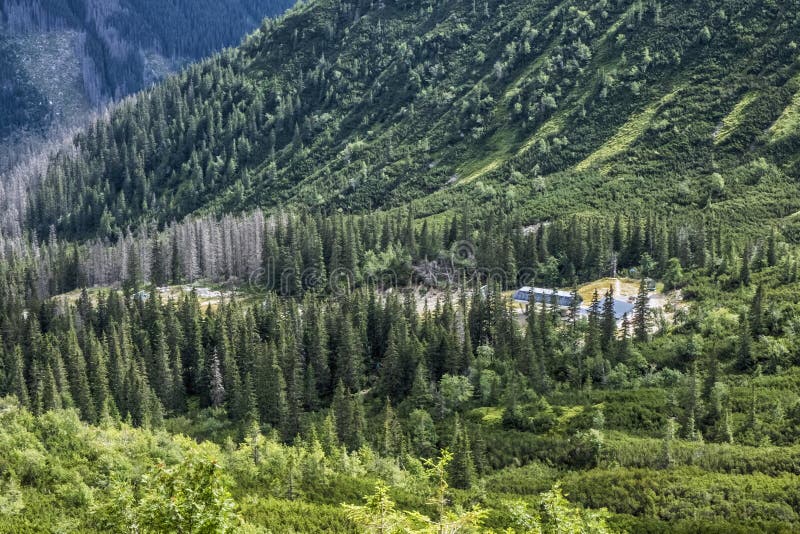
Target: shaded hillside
[
  {"x": 113, "y": 49},
  {"x": 563, "y": 105}
]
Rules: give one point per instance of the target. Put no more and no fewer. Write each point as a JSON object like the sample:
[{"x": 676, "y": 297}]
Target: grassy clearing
[
  {"x": 626, "y": 135},
  {"x": 568, "y": 414},
  {"x": 789, "y": 121},
  {"x": 623, "y": 288},
  {"x": 207, "y": 294},
  {"x": 732, "y": 121}
]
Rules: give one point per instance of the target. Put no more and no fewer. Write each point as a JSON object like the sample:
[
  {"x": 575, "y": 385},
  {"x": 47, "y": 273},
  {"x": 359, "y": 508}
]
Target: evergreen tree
[
  {"x": 16, "y": 377},
  {"x": 349, "y": 358},
  {"x": 461, "y": 471},
  {"x": 359, "y": 423},
  {"x": 593, "y": 345},
  {"x": 756, "y": 318},
  {"x": 293, "y": 373},
  {"x": 391, "y": 438},
  {"x": 640, "y": 312},
  {"x": 744, "y": 273},
  {"x": 315, "y": 341},
  {"x": 98, "y": 376},
  {"x": 270, "y": 388},
  {"x": 342, "y": 408},
  {"x": 608, "y": 322},
  {"x": 192, "y": 352},
  {"x": 51, "y": 397},
  {"x": 78, "y": 379},
  {"x": 421, "y": 395},
  {"x": 216, "y": 386},
  {"x": 745, "y": 361}
]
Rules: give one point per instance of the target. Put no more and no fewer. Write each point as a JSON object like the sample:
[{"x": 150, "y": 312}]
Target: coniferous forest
[{"x": 419, "y": 267}]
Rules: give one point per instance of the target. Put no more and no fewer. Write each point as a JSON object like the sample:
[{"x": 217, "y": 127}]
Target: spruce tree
[
  {"x": 78, "y": 379},
  {"x": 293, "y": 373},
  {"x": 216, "y": 386},
  {"x": 192, "y": 352},
  {"x": 744, "y": 273},
  {"x": 349, "y": 357},
  {"x": 342, "y": 408},
  {"x": 51, "y": 398},
  {"x": 359, "y": 423},
  {"x": 315, "y": 341},
  {"x": 756, "y": 317},
  {"x": 270, "y": 387},
  {"x": 16, "y": 377},
  {"x": 593, "y": 345},
  {"x": 640, "y": 311},
  {"x": 745, "y": 361},
  {"x": 420, "y": 396},
  {"x": 461, "y": 471},
  {"x": 609, "y": 322},
  {"x": 391, "y": 438},
  {"x": 98, "y": 375},
  {"x": 156, "y": 352}
]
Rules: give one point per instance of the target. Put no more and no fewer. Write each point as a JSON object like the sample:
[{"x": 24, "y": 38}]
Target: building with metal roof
[
  {"x": 542, "y": 295},
  {"x": 621, "y": 307}
]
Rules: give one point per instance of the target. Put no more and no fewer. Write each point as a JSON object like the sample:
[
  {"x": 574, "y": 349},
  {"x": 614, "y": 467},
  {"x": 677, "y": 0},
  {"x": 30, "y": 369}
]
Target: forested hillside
[
  {"x": 323, "y": 389},
  {"x": 59, "y": 59},
  {"x": 309, "y": 284},
  {"x": 564, "y": 106}
]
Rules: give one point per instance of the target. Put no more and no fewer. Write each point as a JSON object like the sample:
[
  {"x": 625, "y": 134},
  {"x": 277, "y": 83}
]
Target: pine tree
[
  {"x": 78, "y": 379},
  {"x": 117, "y": 366},
  {"x": 216, "y": 387},
  {"x": 420, "y": 396},
  {"x": 772, "y": 252},
  {"x": 158, "y": 271},
  {"x": 249, "y": 405},
  {"x": 640, "y": 311},
  {"x": 691, "y": 406},
  {"x": 593, "y": 346},
  {"x": 349, "y": 358},
  {"x": 51, "y": 398},
  {"x": 176, "y": 266},
  {"x": 744, "y": 273},
  {"x": 359, "y": 424},
  {"x": 461, "y": 471},
  {"x": 329, "y": 438},
  {"x": 293, "y": 373},
  {"x": 270, "y": 388},
  {"x": 574, "y": 308},
  {"x": 16, "y": 377},
  {"x": 159, "y": 375},
  {"x": 98, "y": 375},
  {"x": 192, "y": 353},
  {"x": 342, "y": 408},
  {"x": 315, "y": 341},
  {"x": 175, "y": 342},
  {"x": 56, "y": 364},
  {"x": 396, "y": 368},
  {"x": 609, "y": 322},
  {"x": 756, "y": 317},
  {"x": 745, "y": 361},
  {"x": 391, "y": 439}
]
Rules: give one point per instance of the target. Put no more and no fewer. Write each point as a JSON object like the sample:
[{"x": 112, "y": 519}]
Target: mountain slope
[
  {"x": 566, "y": 105},
  {"x": 61, "y": 59}
]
